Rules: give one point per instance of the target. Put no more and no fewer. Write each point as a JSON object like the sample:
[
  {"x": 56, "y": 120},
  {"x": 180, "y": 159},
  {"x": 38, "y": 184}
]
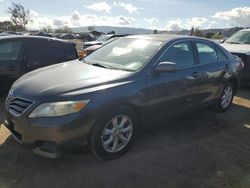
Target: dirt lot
[{"x": 204, "y": 149}]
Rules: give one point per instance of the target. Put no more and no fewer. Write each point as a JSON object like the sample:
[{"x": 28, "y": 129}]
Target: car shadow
[{"x": 200, "y": 149}]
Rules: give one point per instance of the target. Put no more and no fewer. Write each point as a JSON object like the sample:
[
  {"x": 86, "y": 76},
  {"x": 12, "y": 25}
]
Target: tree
[
  {"x": 19, "y": 16},
  {"x": 198, "y": 33},
  {"x": 218, "y": 36},
  {"x": 209, "y": 35},
  {"x": 47, "y": 29},
  {"x": 192, "y": 31},
  {"x": 6, "y": 26}
]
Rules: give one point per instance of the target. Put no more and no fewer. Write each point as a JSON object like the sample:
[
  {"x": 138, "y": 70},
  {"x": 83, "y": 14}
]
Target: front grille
[{"x": 17, "y": 106}]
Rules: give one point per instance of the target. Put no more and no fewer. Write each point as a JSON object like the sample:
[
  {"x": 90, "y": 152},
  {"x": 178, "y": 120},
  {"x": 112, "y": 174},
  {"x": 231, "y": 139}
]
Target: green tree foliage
[
  {"x": 198, "y": 33},
  {"x": 218, "y": 36},
  {"x": 209, "y": 35},
  {"x": 19, "y": 16},
  {"x": 192, "y": 31},
  {"x": 6, "y": 26}
]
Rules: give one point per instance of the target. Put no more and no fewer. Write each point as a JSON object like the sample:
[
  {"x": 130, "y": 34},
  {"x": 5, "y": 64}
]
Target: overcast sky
[{"x": 152, "y": 14}]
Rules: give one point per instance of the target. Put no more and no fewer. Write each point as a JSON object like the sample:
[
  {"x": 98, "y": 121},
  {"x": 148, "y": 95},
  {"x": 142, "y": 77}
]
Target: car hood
[
  {"x": 92, "y": 43},
  {"x": 93, "y": 48},
  {"x": 237, "y": 48},
  {"x": 66, "y": 78}
]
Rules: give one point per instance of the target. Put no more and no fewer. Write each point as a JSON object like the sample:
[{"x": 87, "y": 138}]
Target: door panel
[
  {"x": 171, "y": 93},
  {"x": 212, "y": 71}
]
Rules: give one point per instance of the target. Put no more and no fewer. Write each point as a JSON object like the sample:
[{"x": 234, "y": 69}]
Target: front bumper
[{"x": 50, "y": 133}]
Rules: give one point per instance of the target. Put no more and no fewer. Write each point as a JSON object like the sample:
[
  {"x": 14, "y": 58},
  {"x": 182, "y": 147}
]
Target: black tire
[
  {"x": 96, "y": 139},
  {"x": 219, "y": 106}
]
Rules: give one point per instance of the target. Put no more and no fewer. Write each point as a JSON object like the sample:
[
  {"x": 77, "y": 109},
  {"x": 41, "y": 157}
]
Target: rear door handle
[
  {"x": 12, "y": 67},
  {"x": 196, "y": 74}
]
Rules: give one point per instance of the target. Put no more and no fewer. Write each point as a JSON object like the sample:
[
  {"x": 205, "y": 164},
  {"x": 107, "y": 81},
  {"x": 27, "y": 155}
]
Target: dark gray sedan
[{"x": 103, "y": 100}]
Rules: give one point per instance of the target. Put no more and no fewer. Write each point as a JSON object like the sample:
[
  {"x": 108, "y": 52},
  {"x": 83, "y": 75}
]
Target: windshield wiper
[
  {"x": 233, "y": 42},
  {"x": 101, "y": 65}
]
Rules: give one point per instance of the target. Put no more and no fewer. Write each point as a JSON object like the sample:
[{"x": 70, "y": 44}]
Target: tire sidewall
[{"x": 95, "y": 138}]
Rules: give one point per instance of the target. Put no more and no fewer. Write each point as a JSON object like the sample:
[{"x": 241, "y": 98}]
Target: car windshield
[
  {"x": 240, "y": 37},
  {"x": 129, "y": 54},
  {"x": 103, "y": 38}
]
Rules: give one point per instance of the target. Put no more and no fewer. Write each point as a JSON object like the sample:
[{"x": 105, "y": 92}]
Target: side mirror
[{"x": 167, "y": 67}]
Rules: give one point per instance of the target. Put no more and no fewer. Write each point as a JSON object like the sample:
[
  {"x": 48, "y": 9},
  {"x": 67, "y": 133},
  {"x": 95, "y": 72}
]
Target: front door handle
[{"x": 196, "y": 74}]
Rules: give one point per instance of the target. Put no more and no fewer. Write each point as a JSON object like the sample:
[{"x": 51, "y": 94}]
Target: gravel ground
[{"x": 202, "y": 149}]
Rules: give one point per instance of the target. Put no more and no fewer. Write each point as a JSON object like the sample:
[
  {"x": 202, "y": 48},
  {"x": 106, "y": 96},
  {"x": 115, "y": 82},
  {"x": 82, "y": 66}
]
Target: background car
[
  {"x": 239, "y": 45},
  {"x": 101, "y": 40},
  {"x": 127, "y": 84},
  {"x": 87, "y": 51},
  {"x": 21, "y": 54}
]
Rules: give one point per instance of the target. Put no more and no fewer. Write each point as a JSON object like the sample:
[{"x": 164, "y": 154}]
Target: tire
[
  {"x": 226, "y": 97},
  {"x": 114, "y": 133}
]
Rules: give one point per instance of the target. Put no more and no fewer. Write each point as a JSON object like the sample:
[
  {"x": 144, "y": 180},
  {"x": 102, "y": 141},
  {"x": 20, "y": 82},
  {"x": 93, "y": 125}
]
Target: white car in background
[{"x": 239, "y": 45}]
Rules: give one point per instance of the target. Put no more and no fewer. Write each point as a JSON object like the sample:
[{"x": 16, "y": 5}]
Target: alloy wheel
[{"x": 117, "y": 133}]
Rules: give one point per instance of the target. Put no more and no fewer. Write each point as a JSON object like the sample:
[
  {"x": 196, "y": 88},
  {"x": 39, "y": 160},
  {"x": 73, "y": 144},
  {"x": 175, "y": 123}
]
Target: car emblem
[{"x": 10, "y": 95}]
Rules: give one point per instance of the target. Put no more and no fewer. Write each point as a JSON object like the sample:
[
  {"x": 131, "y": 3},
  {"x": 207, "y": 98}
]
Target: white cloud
[
  {"x": 174, "y": 25},
  {"x": 196, "y": 22},
  {"x": 100, "y": 7},
  {"x": 4, "y": 18},
  {"x": 33, "y": 13},
  {"x": 151, "y": 21},
  {"x": 127, "y": 6},
  {"x": 236, "y": 17},
  {"x": 77, "y": 20},
  {"x": 180, "y": 24}
]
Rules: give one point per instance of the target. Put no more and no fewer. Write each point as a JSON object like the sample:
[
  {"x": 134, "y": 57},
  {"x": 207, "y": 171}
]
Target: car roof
[
  {"x": 164, "y": 37},
  {"x": 31, "y": 37}
]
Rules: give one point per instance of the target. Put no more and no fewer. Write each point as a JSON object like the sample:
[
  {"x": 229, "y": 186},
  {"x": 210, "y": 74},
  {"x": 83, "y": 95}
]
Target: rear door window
[
  {"x": 10, "y": 50},
  {"x": 206, "y": 53}
]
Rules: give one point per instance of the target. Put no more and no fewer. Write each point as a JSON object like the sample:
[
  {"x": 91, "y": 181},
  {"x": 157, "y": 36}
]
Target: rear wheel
[
  {"x": 114, "y": 133},
  {"x": 226, "y": 98}
]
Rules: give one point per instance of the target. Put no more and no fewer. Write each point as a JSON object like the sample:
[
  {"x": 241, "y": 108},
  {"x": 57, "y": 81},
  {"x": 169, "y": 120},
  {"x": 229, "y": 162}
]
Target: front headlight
[{"x": 58, "y": 108}]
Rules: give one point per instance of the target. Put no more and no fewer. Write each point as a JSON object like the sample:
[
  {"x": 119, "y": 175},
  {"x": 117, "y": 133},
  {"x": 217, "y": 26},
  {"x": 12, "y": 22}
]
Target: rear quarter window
[{"x": 221, "y": 55}]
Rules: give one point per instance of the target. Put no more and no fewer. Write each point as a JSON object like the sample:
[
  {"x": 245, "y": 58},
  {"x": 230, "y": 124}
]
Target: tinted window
[
  {"x": 180, "y": 53},
  {"x": 206, "y": 52},
  {"x": 10, "y": 50},
  {"x": 39, "y": 51},
  {"x": 221, "y": 55}
]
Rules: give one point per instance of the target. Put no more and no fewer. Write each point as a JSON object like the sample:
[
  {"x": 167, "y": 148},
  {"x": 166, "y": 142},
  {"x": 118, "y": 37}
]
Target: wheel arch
[{"x": 234, "y": 81}]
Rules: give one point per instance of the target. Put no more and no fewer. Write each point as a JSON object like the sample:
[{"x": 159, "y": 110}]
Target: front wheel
[
  {"x": 114, "y": 133},
  {"x": 226, "y": 98}
]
